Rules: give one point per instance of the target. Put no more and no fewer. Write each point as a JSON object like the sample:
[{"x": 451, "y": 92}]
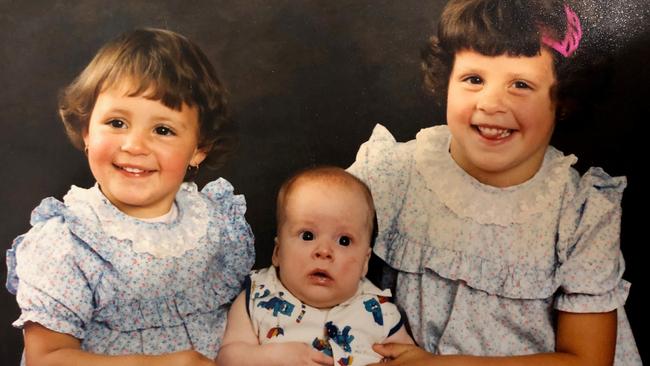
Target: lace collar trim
[
  {"x": 467, "y": 197},
  {"x": 159, "y": 239}
]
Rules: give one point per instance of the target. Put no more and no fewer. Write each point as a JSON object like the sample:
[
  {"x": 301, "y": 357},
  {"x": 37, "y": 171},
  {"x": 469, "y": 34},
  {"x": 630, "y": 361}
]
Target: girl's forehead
[
  {"x": 131, "y": 86},
  {"x": 540, "y": 65}
]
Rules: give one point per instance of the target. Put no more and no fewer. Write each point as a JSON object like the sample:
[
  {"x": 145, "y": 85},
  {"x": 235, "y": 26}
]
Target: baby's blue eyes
[{"x": 307, "y": 236}]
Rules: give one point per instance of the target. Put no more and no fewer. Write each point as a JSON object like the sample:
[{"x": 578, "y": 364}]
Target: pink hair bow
[{"x": 571, "y": 40}]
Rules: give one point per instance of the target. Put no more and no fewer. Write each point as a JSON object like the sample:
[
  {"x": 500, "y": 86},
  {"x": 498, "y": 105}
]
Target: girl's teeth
[
  {"x": 133, "y": 170},
  {"x": 492, "y": 132}
]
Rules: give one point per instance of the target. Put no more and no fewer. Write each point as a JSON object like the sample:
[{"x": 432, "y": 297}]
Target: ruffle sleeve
[
  {"x": 46, "y": 274},
  {"x": 591, "y": 262},
  {"x": 384, "y": 165},
  {"x": 237, "y": 249}
]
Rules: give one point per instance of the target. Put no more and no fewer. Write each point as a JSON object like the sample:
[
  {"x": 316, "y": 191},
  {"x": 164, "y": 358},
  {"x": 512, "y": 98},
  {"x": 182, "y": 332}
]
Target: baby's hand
[
  {"x": 187, "y": 358},
  {"x": 298, "y": 354}
]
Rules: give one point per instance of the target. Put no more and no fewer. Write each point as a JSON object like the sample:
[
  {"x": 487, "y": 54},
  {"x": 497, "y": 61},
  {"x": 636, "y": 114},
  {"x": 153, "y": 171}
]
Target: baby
[{"x": 314, "y": 306}]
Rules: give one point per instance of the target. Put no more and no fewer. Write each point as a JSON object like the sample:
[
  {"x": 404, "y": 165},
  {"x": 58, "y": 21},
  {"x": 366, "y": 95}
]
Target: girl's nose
[
  {"x": 491, "y": 100},
  {"x": 135, "y": 143}
]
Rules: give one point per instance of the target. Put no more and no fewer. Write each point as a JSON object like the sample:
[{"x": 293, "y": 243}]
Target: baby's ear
[
  {"x": 365, "y": 265},
  {"x": 275, "y": 260}
]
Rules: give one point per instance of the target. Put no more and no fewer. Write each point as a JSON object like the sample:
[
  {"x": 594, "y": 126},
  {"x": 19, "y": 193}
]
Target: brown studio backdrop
[{"x": 308, "y": 81}]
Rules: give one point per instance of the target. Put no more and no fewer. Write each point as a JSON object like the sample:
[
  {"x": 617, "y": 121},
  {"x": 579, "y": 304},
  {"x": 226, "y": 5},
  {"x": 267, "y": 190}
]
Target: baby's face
[{"x": 323, "y": 245}]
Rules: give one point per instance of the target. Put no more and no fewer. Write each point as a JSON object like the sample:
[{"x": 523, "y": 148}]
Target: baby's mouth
[
  {"x": 493, "y": 133},
  {"x": 320, "y": 275}
]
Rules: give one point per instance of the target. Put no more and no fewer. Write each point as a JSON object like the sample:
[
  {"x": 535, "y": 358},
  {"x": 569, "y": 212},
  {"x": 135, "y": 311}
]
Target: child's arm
[
  {"x": 45, "y": 347},
  {"x": 240, "y": 346},
  {"x": 582, "y": 339},
  {"x": 401, "y": 336}
]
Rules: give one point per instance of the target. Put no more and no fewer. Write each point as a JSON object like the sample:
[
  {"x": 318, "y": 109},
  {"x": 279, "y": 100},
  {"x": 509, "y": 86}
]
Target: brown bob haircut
[
  {"x": 503, "y": 27},
  {"x": 161, "y": 65}
]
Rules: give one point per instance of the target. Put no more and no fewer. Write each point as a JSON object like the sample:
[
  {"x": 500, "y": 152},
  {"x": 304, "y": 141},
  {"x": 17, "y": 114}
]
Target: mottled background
[{"x": 308, "y": 81}]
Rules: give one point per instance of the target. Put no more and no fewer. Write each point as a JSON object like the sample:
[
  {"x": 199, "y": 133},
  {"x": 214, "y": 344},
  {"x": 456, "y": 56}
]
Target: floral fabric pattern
[
  {"x": 481, "y": 270},
  {"x": 126, "y": 286}
]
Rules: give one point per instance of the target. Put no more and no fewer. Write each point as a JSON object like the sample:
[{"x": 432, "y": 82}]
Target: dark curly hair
[
  {"x": 167, "y": 67},
  {"x": 503, "y": 27}
]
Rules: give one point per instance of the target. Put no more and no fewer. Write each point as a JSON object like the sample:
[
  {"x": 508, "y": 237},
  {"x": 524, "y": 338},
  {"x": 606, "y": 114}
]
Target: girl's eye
[
  {"x": 521, "y": 85},
  {"x": 116, "y": 123},
  {"x": 165, "y": 131},
  {"x": 307, "y": 236},
  {"x": 344, "y": 240},
  {"x": 476, "y": 80}
]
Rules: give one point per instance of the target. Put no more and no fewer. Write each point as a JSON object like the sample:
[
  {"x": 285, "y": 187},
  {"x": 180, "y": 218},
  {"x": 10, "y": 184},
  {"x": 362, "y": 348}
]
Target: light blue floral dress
[
  {"x": 481, "y": 270},
  {"x": 126, "y": 286}
]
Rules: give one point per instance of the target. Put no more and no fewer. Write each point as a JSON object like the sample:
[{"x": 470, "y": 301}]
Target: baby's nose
[{"x": 323, "y": 251}]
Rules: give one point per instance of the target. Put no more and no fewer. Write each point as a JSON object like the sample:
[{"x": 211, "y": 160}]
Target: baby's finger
[{"x": 321, "y": 359}]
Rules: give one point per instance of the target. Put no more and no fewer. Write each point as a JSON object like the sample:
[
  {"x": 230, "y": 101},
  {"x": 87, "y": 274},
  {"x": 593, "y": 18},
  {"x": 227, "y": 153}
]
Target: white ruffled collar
[
  {"x": 467, "y": 197},
  {"x": 161, "y": 240}
]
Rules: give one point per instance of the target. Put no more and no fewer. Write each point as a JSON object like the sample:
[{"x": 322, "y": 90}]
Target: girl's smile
[
  {"x": 500, "y": 114},
  {"x": 139, "y": 150},
  {"x": 133, "y": 171}
]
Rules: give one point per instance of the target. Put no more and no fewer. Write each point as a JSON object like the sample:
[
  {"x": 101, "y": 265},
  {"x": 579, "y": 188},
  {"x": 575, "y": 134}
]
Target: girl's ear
[
  {"x": 84, "y": 135},
  {"x": 199, "y": 155},
  {"x": 365, "y": 265},
  {"x": 275, "y": 260}
]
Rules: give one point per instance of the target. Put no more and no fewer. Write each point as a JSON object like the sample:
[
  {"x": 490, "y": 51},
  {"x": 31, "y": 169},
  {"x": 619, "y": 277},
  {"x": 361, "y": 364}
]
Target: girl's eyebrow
[
  {"x": 116, "y": 110},
  {"x": 177, "y": 122}
]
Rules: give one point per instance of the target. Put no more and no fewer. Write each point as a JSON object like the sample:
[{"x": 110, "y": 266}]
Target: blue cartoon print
[
  {"x": 372, "y": 306},
  {"x": 345, "y": 361},
  {"x": 278, "y": 305},
  {"x": 322, "y": 345},
  {"x": 342, "y": 338}
]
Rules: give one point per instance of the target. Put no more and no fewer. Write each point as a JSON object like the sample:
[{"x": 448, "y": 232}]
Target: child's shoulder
[
  {"x": 382, "y": 138},
  {"x": 49, "y": 240},
  {"x": 382, "y": 155},
  {"x": 220, "y": 195},
  {"x": 595, "y": 186},
  {"x": 49, "y": 219},
  {"x": 594, "y": 181}
]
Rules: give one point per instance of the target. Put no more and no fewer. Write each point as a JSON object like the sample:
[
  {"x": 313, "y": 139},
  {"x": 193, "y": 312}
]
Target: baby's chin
[{"x": 322, "y": 302}]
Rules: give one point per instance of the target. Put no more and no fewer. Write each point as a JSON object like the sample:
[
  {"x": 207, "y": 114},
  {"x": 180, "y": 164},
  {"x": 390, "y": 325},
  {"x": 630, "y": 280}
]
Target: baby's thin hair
[
  {"x": 326, "y": 173},
  {"x": 160, "y": 65}
]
